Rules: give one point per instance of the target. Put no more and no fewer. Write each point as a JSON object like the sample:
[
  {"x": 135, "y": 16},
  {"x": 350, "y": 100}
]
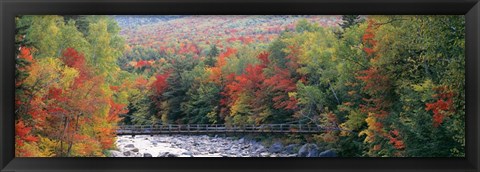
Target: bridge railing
[{"x": 211, "y": 128}]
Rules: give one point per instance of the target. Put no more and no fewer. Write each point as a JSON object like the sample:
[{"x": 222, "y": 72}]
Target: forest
[{"x": 394, "y": 86}]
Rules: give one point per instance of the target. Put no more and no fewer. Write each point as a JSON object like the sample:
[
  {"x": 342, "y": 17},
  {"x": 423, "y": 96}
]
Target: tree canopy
[{"x": 393, "y": 86}]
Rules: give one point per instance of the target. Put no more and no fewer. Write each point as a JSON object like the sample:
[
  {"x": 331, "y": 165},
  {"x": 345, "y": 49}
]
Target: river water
[{"x": 196, "y": 146}]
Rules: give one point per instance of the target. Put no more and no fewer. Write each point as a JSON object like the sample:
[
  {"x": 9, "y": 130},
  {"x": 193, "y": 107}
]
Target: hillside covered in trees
[{"x": 394, "y": 86}]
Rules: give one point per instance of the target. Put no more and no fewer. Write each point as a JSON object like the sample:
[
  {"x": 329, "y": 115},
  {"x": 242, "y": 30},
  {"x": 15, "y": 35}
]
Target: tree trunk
[
  {"x": 65, "y": 126},
  {"x": 334, "y": 94},
  {"x": 70, "y": 144}
]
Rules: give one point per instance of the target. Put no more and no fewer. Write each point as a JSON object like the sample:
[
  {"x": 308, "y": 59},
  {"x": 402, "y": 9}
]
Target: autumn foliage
[
  {"x": 372, "y": 82},
  {"x": 63, "y": 108},
  {"x": 160, "y": 83},
  {"x": 442, "y": 107}
]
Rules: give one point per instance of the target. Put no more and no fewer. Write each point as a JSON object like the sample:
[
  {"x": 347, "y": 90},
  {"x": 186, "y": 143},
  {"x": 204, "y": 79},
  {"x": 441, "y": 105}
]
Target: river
[{"x": 197, "y": 146}]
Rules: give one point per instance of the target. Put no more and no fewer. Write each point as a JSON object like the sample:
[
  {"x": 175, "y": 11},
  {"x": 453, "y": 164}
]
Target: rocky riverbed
[{"x": 208, "y": 146}]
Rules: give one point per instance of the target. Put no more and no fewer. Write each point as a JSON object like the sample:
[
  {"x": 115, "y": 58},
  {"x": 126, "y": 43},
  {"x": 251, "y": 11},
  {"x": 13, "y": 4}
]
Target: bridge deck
[{"x": 219, "y": 128}]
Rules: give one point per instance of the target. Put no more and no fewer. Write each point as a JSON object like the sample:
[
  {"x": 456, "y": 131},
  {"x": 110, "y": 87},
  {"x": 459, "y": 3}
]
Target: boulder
[
  {"x": 308, "y": 150},
  {"x": 327, "y": 153},
  {"x": 172, "y": 155},
  {"x": 134, "y": 150},
  {"x": 130, "y": 146},
  {"x": 241, "y": 140},
  {"x": 127, "y": 153},
  {"x": 163, "y": 154},
  {"x": 147, "y": 155},
  {"x": 303, "y": 152},
  {"x": 260, "y": 150},
  {"x": 264, "y": 154},
  {"x": 313, "y": 151},
  {"x": 276, "y": 147},
  {"x": 290, "y": 149},
  {"x": 114, "y": 153},
  {"x": 166, "y": 154}
]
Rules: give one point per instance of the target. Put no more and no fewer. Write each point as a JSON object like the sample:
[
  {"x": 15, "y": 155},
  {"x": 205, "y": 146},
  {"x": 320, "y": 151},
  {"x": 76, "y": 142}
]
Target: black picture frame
[{"x": 11, "y": 8}]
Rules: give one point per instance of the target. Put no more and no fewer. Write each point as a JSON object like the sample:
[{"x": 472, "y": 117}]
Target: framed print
[{"x": 227, "y": 85}]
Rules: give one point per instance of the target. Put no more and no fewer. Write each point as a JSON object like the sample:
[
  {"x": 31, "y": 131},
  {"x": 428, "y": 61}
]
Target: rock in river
[
  {"x": 308, "y": 150},
  {"x": 129, "y": 146},
  {"x": 276, "y": 147},
  {"x": 290, "y": 149},
  {"x": 303, "y": 152},
  {"x": 127, "y": 153},
  {"x": 166, "y": 154},
  {"x": 328, "y": 153},
  {"x": 114, "y": 153}
]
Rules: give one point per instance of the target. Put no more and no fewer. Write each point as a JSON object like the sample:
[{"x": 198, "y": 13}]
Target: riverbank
[{"x": 207, "y": 146}]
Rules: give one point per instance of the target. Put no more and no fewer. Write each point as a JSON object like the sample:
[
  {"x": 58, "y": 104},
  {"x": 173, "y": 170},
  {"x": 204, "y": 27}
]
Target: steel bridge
[{"x": 220, "y": 128}]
